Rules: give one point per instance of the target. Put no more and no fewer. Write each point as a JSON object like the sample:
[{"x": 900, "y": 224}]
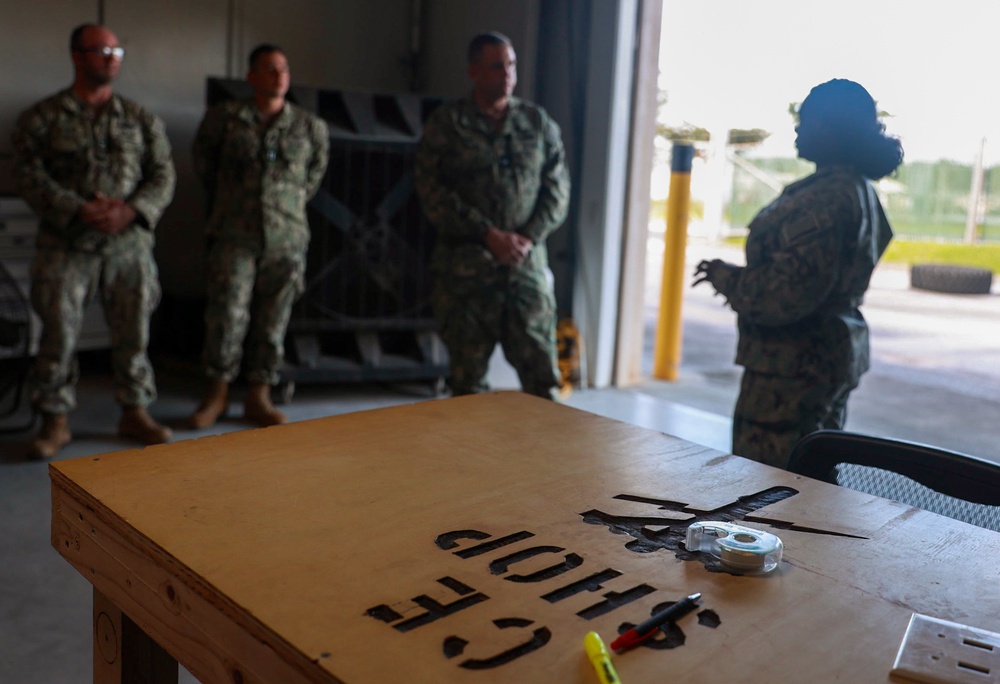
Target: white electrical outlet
[{"x": 941, "y": 652}]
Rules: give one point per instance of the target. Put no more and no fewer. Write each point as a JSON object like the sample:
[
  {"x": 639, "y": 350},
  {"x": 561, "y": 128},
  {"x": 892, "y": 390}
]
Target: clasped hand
[
  {"x": 106, "y": 214},
  {"x": 509, "y": 248}
]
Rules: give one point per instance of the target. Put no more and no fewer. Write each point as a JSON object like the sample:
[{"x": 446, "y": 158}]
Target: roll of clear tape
[{"x": 738, "y": 548}]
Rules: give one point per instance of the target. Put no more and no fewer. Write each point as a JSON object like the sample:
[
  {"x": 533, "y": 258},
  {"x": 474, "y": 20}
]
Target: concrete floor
[{"x": 935, "y": 378}]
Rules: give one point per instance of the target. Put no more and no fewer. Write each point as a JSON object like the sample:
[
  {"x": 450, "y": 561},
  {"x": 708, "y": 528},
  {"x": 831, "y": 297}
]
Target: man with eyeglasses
[
  {"x": 97, "y": 170},
  {"x": 260, "y": 160},
  {"x": 492, "y": 179}
]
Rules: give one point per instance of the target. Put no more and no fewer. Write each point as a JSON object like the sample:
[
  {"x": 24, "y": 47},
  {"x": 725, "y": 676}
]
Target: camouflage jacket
[
  {"x": 65, "y": 153},
  {"x": 258, "y": 181},
  {"x": 470, "y": 176},
  {"x": 810, "y": 256}
]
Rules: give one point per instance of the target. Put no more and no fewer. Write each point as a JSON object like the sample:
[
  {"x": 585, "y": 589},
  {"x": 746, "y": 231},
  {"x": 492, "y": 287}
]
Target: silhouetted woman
[{"x": 803, "y": 342}]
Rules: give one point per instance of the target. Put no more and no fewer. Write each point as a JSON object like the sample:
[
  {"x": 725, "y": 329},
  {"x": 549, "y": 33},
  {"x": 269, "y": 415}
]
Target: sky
[{"x": 738, "y": 64}]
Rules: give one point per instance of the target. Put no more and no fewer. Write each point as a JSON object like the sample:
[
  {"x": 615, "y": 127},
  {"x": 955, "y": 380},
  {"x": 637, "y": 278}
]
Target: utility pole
[{"x": 975, "y": 197}]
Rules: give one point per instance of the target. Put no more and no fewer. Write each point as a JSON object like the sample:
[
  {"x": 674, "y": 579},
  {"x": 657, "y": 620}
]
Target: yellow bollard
[{"x": 667, "y": 352}]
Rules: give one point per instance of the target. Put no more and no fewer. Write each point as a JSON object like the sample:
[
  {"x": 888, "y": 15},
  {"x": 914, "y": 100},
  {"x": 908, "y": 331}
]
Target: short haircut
[
  {"x": 76, "y": 37},
  {"x": 481, "y": 40},
  {"x": 260, "y": 50}
]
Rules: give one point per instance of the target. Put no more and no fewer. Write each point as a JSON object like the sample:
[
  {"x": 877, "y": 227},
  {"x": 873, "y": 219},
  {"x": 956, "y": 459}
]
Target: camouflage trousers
[
  {"x": 773, "y": 413},
  {"x": 250, "y": 296},
  {"x": 475, "y": 313},
  {"x": 63, "y": 283}
]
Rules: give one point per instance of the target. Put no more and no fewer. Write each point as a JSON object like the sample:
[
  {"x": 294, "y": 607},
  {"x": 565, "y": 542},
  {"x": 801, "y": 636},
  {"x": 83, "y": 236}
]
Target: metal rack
[
  {"x": 365, "y": 314},
  {"x": 17, "y": 230}
]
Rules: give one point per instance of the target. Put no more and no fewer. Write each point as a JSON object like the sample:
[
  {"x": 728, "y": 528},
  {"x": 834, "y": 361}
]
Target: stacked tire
[{"x": 951, "y": 279}]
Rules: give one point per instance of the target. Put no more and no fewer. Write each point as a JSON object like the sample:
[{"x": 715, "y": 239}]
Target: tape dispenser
[{"x": 739, "y": 548}]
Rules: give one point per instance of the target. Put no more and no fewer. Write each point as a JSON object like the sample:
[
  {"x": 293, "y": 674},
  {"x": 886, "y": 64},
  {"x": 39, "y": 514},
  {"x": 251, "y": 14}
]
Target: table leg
[{"x": 123, "y": 653}]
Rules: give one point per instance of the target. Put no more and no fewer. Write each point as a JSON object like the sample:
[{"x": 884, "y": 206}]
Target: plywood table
[{"x": 478, "y": 539}]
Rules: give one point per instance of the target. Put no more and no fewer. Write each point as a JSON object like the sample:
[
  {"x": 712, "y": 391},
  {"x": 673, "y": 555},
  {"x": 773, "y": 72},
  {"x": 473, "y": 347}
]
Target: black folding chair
[{"x": 946, "y": 482}]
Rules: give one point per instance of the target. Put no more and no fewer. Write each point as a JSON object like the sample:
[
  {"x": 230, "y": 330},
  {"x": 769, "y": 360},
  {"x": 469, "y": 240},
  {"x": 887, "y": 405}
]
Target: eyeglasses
[{"x": 105, "y": 51}]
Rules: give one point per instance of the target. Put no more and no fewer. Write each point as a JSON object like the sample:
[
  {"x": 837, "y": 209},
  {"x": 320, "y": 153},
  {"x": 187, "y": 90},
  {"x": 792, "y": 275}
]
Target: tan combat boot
[
  {"x": 257, "y": 406},
  {"x": 137, "y": 424},
  {"x": 53, "y": 435},
  {"x": 212, "y": 407}
]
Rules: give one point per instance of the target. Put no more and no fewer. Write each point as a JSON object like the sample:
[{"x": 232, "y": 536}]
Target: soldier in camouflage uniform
[
  {"x": 96, "y": 168},
  {"x": 260, "y": 160},
  {"x": 810, "y": 254},
  {"x": 492, "y": 179}
]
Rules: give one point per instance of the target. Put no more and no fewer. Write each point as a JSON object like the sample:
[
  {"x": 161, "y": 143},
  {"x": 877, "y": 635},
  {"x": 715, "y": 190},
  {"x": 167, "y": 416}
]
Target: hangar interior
[
  {"x": 591, "y": 63},
  {"x": 586, "y": 61}
]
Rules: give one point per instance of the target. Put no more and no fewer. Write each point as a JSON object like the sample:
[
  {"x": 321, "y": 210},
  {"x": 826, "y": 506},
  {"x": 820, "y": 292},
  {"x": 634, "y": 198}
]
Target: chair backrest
[{"x": 945, "y": 482}]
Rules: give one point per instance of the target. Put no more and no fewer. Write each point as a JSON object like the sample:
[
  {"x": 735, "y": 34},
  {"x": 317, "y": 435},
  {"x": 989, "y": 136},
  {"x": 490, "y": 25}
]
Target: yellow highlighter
[{"x": 598, "y": 655}]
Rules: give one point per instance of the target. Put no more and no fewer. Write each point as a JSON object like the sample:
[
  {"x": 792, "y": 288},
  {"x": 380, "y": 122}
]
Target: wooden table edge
[{"x": 204, "y": 631}]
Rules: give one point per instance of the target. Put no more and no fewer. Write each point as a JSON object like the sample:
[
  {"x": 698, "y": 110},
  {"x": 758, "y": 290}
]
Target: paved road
[{"x": 935, "y": 374}]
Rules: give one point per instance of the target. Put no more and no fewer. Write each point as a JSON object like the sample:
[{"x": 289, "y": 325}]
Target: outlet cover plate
[{"x": 940, "y": 652}]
